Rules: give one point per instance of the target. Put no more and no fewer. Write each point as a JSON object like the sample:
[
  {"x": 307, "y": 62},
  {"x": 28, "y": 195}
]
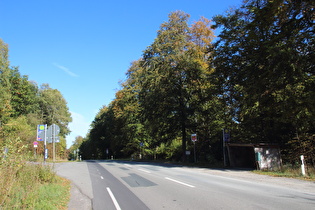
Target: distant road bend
[{"x": 133, "y": 185}]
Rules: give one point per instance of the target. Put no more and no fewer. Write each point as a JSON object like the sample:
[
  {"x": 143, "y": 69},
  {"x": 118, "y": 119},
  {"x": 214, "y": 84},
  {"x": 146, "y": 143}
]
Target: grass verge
[
  {"x": 291, "y": 172},
  {"x": 32, "y": 186}
]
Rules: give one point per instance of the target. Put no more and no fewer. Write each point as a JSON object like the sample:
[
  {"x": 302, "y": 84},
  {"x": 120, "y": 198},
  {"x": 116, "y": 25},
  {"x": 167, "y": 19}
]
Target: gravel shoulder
[{"x": 81, "y": 187}]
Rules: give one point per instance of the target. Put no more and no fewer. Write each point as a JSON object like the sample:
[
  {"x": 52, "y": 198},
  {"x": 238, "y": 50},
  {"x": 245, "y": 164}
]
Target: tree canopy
[
  {"x": 23, "y": 106},
  {"x": 264, "y": 64},
  {"x": 255, "y": 79}
]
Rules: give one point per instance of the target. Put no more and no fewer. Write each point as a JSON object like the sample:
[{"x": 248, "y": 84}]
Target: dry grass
[
  {"x": 291, "y": 172},
  {"x": 30, "y": 185}
]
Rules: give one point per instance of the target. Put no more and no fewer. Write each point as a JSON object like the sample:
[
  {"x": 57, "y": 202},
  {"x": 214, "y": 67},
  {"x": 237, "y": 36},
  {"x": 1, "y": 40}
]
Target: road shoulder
[{"x": 81, "y": 188}]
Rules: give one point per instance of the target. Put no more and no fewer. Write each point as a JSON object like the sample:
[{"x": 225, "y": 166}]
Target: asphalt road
[{"x": 132, "y": 185}]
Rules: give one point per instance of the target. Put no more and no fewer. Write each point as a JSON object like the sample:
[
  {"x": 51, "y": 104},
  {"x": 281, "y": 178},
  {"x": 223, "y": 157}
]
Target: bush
[{"x": 29, "y": 185}]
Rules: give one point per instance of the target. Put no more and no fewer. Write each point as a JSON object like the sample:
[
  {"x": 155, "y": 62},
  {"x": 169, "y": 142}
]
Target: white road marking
[
  {"x": 144, "y": 170},
  {"x": 128, "y": 165},
  {"x": 102, "y": 177},
  {"x": 113, "y": 198},
  {"x": 179, "y": 182}
]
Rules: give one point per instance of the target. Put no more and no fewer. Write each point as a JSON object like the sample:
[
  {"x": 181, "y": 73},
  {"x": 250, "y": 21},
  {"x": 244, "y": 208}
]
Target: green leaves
[
  {"x": 53, "y": 108},
  {"x": 256, "y": 80},
  {"x": 165, "y": 89},
  {"x": 23, "y": 105},
  {"x": 5, "y": 86},
  {"x": 263, "y": 61}
]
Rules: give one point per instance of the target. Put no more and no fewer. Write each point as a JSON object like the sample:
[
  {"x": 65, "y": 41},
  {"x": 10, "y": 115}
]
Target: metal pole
[
  {"x": 45, "y": 129},
  {"x": 195, "y": 151},
  {"x": 224, "y": 161},
  {"x": 53, "y": 138}
]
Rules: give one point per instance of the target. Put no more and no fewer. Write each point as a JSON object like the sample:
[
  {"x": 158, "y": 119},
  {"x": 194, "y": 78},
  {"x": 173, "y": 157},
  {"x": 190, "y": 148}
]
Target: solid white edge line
[
  {"x": 113, "y": 198},
  {"x": 179, "y": 182}
]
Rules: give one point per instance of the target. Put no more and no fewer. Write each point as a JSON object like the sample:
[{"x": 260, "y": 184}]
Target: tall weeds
[{"x": 24, "y": 184}]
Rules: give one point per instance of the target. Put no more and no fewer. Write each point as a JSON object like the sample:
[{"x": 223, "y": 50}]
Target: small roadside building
[{"x": 259, "y": 156}]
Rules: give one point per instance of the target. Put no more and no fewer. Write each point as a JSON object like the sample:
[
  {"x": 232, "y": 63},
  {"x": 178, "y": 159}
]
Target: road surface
[{"x": 132, "y": 185}]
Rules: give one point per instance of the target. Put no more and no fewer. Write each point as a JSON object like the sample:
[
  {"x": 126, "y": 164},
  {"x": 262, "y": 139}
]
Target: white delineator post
[{"x": 302, "y": 165}]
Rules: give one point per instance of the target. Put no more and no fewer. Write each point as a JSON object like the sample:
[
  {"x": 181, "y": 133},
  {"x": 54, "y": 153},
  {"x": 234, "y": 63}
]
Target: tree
[
  {"x": 100, "y": 136},
  {"x": 75, "y": 148},
  {"x": 24, "y": 99},
  {"x": 263, "y": 66},
  {"x": 174, "y": 77},
  {"x": 164, "y": 96},
  {"x": 130, "y": 110},
  {"x": 23, "y": 106},
  {"x": 5, "y": 86},
  {"x": 54, "y": 109},
  {"x": 163, "y": 88}
]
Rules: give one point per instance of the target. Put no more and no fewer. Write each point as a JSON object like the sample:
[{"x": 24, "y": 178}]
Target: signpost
[
  {"x": 226, "y": 138},
  {"x": 194, "y": 139},
  {"x": 49, "y": 135},
  {"x": 55, "y": 132},
  {"x": 40, "y": 132},
  {"x": 141, "y": 145},
  {"x": 35, "y": 143}
]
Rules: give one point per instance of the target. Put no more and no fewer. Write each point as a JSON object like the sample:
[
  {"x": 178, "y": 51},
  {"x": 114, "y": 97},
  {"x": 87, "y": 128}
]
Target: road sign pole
[
  {"x": 223, "y": 139},
  {"x": 194, "y": 139},
  {"x": 45, "y": 129},
  {"x": 53, "y": 139},
  {"x": 195, "y": 151},
  {"x": 35, "y": 144}
]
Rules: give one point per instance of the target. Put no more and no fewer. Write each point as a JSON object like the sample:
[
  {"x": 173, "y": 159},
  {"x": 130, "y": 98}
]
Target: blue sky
[{"x": 84, "y": 48}]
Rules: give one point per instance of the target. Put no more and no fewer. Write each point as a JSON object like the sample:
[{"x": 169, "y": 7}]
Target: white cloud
[
  {"x": 66, "y": 70},
  {"x": 79, "y": 127}
]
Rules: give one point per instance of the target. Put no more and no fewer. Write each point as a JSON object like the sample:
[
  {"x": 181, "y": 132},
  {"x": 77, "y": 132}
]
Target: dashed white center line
[
  {"x": 113, "y": 198},
  {"x": 179, "y": 182},
  {"x": 144, "y": 170}
]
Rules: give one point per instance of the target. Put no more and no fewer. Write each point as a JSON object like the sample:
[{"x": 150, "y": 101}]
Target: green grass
[
  {"x": 32, "y": 186},
  {"x": 53, "y": 195},
  {"x": 291, "y": 172}
]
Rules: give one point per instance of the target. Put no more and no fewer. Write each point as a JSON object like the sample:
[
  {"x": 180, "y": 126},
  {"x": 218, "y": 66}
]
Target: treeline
[
  {"x": 23, "y": 106},
  {"x": 256, "y": 80}
]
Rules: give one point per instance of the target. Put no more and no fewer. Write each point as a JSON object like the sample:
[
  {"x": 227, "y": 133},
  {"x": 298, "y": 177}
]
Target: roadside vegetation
[
  {"x": 290, "y": 172},
  {"x": 26, "y": 182},
  {"x": 30, "y": 185},
  {"x": 255, "y": 79}
]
